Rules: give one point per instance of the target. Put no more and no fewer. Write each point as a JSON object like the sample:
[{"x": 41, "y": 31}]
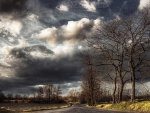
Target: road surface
[{"x": 78, "y": 109}]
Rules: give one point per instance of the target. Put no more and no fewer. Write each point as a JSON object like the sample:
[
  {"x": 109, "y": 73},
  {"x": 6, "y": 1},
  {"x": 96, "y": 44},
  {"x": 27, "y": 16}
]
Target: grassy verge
[
  {"x": 34, "y": 107},
  {"x": 5, "y": 111},
  {"x": 143, "y": 106}
]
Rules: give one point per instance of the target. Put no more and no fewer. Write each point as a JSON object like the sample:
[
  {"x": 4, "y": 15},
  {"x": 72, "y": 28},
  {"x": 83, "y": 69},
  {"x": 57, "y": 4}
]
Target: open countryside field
[{"x": 26, "y": 107}]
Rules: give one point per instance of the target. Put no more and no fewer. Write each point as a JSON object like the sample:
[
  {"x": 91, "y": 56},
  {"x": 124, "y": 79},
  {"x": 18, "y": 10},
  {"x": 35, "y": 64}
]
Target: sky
[{"x": 40, "y": 39}]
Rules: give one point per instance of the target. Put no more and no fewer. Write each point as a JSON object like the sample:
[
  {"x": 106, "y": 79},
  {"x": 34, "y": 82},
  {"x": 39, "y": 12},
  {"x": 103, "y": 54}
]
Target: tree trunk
[
  {"x": 114, "y": 92},
  {"x": 132, "y": 78},
  {"x": 92, "y": 99},
  {"x": 133, "y": 89},
  {"x": 120, "y": 91}
]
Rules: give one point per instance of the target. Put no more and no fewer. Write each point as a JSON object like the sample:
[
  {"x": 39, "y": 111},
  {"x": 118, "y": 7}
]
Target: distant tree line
[
  {"x": 45, "y": 94},
  {"x": 49, "y": 93},
  {"x": 119, "y": 53}
]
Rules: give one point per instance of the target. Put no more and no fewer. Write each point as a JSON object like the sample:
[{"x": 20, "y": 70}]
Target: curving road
[{"x": 78, "y": 109}]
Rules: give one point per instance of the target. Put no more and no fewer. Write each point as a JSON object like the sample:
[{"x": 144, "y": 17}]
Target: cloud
[
  {"x": 67, "y": 38},
  {"x": 68, "y": 86},
  {"x": 89, "y": 6},
  {"x": 50, "y": 35},
  {"x": 77, "y": 29},
  {"x": 93, "y": 5},
  {"x": 17, "y": 8},
  {"x": 49, "y": 3},
  {"x": 110, "y": 8},
  {"x": 35, "y": 51},
  {"x": 12, "y": 26},
  {"x": 10, "y": 5},
  {"x": 104, "y": 3},
  {"x": 11, "y": 39},
  {"x": 23, "y": 72},
  {"x": 74, "y": 31},
  {"x": 63, "y": 8},
  {"x": 143, "y": 3},
  {"x": 64, "y": 50},
  {"x": 22, "y": 42},
  {"x": 31, "y": 25}
]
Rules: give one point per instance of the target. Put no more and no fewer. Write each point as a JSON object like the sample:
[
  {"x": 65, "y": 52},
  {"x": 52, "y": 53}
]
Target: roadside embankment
[{"x": 143, "y": 106}]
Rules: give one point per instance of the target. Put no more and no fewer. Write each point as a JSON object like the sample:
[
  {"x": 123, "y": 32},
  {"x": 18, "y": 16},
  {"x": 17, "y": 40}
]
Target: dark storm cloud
[
  {"x": 31, "y": 71},
  {"x": 129, "y": 7},
  {"x": 9, "y": 6},
  {"x": 118, "y": 7},
  {"x": 42, "y": 71},
  {"x": 50, "y": 3},
  {"x": 50, "y": 15},
  {"x": 40, "y": 48},
  {"x": 48, "y": 12},
  {"x": 24, "y": 52}
]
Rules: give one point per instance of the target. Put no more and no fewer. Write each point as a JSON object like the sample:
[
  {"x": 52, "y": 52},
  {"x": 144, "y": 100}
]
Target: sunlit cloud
[
  {"x": 80, "y": 47},
  {"x": 63, "y": 50},
  {"x": 144, "y": 3},
  {"x": 13, "y": 26},
  {"x": 63, "y": 8},
  {"x": 74, "y": 31},
  {"x": 66, "y": 39},
  {"x": 89, "y": 6},
  {"x": 11, "y": 39},
  {"x": 50, "y": 35}
]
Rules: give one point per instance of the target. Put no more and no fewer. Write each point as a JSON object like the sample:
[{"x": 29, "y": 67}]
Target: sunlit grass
[{"x": 143, "y": 106}]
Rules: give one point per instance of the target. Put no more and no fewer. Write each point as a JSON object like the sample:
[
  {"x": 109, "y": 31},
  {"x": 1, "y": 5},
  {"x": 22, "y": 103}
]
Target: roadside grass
[
  {"x": 143, "y": 106},
  {"x": 4, "y": 111},
  {"x": 17, "y": 108}
]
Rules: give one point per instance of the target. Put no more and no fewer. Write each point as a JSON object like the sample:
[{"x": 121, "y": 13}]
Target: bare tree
[
  {"x": 91, "y": 80},
  {"x": 110, "y": 43},
  {"x": 40, "y": 92},
  {"x": 48, "y": 91},
  {"x": 58, "y": 92},
  {"x": 73, "y": 95},
  {"x": 10, "y": 96},
  {"x": 136, "y": 28},
  {"x": 123, "y": 44},
  {"x": 2, "y": 96}
]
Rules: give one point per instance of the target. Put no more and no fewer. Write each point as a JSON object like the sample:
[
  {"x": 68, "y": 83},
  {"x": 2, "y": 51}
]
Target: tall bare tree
[
  {"x": 111, "y": 43},
  {"x": 123, "y": 43},
  {"x": 136, "y": 28},
  {"x": 58, "y": 92},
  {"x": 40, "y": 92},
  {"x": 2, "y": 96},
  {"x": 91, "y": 80},
  {"x": 48, "y": 92}
]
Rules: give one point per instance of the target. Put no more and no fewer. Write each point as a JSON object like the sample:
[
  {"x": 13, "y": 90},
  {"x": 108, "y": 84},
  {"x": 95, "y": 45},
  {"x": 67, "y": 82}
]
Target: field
[{"x": 27, "y": 107}]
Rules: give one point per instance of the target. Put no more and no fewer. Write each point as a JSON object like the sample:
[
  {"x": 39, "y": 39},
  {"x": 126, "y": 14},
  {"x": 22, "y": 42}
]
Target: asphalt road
[{"x": 78, "y": 109}]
